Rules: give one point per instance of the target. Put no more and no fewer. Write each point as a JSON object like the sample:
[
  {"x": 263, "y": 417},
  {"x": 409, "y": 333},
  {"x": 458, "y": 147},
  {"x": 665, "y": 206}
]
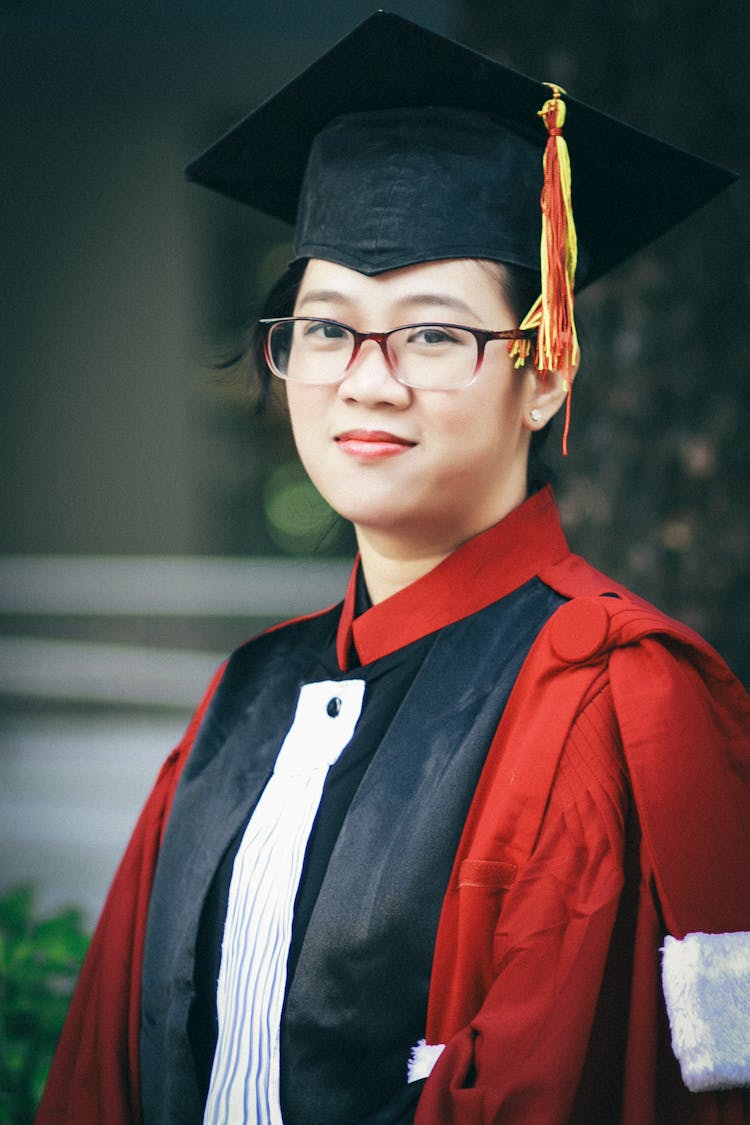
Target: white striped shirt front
[{"x": 245, "y": 1078}]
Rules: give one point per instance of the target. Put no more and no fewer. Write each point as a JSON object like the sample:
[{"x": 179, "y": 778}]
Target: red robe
[{"x": 517, "y": 979}]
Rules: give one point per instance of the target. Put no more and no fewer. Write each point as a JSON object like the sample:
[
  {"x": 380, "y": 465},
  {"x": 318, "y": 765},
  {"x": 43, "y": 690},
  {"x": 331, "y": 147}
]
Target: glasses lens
[
  {"x": 310, "y": 351},
  {"x": 434, "y": 356}
]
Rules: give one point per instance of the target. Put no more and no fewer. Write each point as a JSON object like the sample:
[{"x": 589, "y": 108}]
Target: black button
[{"x": 334, "y": 706}]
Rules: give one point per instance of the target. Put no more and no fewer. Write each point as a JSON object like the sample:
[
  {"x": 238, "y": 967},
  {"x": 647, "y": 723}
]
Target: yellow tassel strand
[{"x": 552, "y": 314}]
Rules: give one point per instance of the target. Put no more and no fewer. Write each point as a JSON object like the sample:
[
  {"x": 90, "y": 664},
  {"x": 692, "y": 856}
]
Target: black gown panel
[{"x": 376, "y": 868}]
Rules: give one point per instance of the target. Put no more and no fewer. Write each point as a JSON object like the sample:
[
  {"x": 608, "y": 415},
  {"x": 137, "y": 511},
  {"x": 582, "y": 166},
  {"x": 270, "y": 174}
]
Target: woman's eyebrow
[
  {"x": 436, "y": 300},
  {"x": 409, "y": 300},
  {"x": 329, "y": 296}
]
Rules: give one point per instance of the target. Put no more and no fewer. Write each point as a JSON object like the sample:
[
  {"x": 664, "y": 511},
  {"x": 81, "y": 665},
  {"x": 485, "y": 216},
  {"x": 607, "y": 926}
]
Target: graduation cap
[{"x": 400, "y": 146}]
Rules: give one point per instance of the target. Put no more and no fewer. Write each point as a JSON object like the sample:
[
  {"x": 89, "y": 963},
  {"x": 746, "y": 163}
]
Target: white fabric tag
[{"x": 423, "y": 1057}]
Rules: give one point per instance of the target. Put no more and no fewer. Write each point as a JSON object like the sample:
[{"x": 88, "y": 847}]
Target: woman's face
[{"x": 419, "y": 470}]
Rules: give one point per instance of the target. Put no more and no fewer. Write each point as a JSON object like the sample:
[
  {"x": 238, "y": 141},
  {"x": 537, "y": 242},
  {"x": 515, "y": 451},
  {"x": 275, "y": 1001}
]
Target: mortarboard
[
  {"x": 400, "y": 146},
  {"x": 628, "y": 187}
]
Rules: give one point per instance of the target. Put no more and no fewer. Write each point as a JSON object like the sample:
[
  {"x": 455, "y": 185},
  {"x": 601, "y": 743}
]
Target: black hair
[
  {"x": 520, "y": 287},
  {"x": 279, "y": 301}
]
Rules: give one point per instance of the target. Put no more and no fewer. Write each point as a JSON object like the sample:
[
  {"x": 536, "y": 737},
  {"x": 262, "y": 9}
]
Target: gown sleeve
[
  {"x": 520, "y": 1060},
  {"x": 95, "y": 1074}
]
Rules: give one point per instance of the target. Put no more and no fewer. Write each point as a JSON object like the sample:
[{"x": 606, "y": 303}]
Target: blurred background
[{"x": 150, "y": 521}]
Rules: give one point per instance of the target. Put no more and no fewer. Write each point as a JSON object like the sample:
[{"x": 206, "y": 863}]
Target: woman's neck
[
  {"x": 392, "y": 559},
  {"x": 391, "y": 563},
  {"x": 386, "y": 573}
]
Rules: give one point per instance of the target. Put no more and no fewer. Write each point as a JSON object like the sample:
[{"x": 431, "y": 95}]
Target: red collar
[{"x": 479, "y": 572}]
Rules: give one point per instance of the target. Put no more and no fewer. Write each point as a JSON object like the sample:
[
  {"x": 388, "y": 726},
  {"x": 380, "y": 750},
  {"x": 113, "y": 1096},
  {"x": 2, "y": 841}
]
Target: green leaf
[{"x": 40, "y": 959}]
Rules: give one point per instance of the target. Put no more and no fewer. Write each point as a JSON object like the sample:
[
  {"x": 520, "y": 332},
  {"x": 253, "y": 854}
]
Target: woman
[{"x": 417, "y": 854}]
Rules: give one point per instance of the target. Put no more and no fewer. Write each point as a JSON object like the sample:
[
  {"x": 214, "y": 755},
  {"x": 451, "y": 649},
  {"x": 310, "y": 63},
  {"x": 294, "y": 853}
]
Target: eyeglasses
[{"x": 440, "y": 357}]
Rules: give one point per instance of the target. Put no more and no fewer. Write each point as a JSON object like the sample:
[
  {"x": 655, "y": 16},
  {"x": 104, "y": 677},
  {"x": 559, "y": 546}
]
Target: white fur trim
[
  {"x": 423, "y": 1057},
  {"x": 706, "y": 981}
]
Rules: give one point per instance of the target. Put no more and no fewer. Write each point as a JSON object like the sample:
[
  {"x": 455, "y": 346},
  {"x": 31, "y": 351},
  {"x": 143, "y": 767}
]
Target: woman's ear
[{"x": 546, "y": 395}]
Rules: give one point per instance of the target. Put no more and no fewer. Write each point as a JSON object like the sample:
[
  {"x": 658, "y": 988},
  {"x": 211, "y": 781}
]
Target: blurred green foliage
[
  {"x": 299, "y": 521},
  {"x": 39, "y": 963}
]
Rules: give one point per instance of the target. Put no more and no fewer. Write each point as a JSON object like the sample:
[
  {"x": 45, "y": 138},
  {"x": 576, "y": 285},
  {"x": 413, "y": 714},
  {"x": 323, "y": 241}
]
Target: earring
[{"x": 536, "y": 416}]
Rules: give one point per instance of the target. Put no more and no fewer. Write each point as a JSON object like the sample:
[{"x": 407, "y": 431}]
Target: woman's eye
[
  {"x": 430, "y": 334},
  {"x": 324, "y": 330}
]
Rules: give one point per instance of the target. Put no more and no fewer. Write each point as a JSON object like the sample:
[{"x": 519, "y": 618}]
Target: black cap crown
[{"x": 399, "y": 145}]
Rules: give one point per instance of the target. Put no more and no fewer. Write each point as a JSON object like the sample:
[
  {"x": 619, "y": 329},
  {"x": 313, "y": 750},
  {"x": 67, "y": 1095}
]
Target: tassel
[{"x": 552, "y": 313}]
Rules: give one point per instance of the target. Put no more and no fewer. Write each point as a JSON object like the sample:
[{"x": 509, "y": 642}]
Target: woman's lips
[{"x": 372, "y": 444}]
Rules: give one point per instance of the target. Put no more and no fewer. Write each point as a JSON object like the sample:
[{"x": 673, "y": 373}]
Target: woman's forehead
[{"x": 460, "y": 286}]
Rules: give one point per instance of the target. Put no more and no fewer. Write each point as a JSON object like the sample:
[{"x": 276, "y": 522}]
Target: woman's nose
[{"x": 370, "y": 377}]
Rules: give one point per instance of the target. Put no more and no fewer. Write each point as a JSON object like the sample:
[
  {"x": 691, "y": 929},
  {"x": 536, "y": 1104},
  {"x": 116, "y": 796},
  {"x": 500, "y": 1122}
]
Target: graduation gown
[{"x": 544, "y": 1002}]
